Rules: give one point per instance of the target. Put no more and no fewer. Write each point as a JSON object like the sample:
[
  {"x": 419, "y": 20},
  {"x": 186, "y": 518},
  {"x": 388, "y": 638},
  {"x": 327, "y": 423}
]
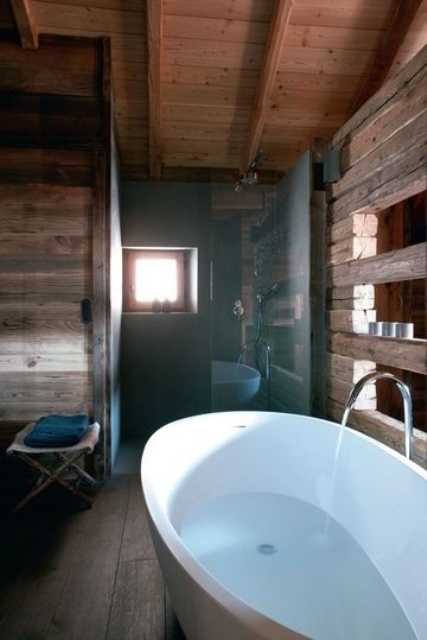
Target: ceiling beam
[
  {"x": 276, "y": 36},
  {"x": 403, "y": 16},
  {"x": 154, "y": 38},
  {"x": 26, "y": 23}
]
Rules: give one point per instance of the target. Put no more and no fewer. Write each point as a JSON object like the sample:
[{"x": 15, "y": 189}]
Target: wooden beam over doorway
[{"x": 26, "y": 23}]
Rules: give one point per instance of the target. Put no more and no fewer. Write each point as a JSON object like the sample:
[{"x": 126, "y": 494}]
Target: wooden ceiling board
[
  {"x": 135, "y": 87},
  {"x": 181, "y": 130},
  {"x": 414, "y": 40},
  {"x": 278, "y": 154},
  {"x": 259, "y": 11},
  {"x": 210, "y": 115},
  {"x": 332, "y": 37},
  {"x": 187, "y": 27},
  {"x": 375, "y": 15},
  {"x": 211, "y": 53},
  {"x": 324, "y": 101},
  {"x": 214, "y": 158},
  {"x": 211, "y": 71},
  {"x": 207, "y": 96},
  {"x": 129, "y": 110},
  {"x": 294, "y": 134},
  {"x": 310, "y": 117},
  {"x": 314, "y": 82},
  {"x": 131, "y": 5},
  {"x": 210, "y": 76},
  {"x": 328, "y": 61}
]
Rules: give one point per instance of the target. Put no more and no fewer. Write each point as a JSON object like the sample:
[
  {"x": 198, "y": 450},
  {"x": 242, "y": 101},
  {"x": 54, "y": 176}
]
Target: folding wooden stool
[{"x": 62, "y": 462}]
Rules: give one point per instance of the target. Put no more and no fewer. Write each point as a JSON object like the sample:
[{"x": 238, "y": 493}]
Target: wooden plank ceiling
[{"x": 201, "y": 86}]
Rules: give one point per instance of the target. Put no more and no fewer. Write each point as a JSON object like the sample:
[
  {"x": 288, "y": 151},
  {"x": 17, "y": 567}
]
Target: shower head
[
  {"x": 250, "y": 177},
  {"x": 246, "y": 180},
  {"x": 269, "y": 293}
]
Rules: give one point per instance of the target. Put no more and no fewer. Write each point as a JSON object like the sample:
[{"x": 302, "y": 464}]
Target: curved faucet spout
[{"x": 407, "y": 404}]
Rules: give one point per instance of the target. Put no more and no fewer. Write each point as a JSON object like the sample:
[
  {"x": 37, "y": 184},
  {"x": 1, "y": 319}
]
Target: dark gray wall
[
  {"x": 165, "y": 358},
  {"x": 227, "y": 287}
]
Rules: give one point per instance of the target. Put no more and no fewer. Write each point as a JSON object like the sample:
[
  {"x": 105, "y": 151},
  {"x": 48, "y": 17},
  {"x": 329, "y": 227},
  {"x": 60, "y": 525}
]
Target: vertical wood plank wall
[
  {"x": 384, "y": 161},
  {"x": 54, "y": 127}
]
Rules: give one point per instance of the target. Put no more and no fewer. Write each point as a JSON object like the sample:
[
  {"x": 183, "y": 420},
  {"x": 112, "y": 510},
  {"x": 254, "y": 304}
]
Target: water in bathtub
[{"x": 275, "y": 553}]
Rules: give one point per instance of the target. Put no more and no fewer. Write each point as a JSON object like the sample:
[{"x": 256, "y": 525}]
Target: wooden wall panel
[
  {"x": 402, "y": 264},
  {"x": 55, "y": 117},
  {"x": 71, "y": 72},
  {"x": 34, "y": 167},
  {"x": 384, "y": 162},
  {"x": 45, "y": 265},
  {"x": 383, "y": 146},
  {"x": 51, "y": 97}
]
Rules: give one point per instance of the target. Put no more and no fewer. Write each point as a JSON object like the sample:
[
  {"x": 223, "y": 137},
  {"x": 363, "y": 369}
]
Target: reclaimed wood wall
[
  {"x": 54, "y": 195},
  {"x": 383, "y": 151},
  {"x": 45, "y": 273}
]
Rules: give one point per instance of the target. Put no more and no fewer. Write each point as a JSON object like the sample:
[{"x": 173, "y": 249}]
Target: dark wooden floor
[{"x": 86, "y": 574}]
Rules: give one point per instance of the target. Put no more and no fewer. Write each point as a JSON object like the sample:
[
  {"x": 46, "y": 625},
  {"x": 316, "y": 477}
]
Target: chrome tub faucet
[{"x": 407, "y": 404}]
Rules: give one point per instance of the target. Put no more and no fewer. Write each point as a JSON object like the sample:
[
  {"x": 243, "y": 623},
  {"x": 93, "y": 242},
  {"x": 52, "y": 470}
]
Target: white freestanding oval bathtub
[
  {"x": 233, "y": 385},
  {"x": 271, "y": 526}
]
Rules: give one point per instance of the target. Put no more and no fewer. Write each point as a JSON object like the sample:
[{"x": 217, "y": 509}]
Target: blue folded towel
[{"x": 57, "y": 431}]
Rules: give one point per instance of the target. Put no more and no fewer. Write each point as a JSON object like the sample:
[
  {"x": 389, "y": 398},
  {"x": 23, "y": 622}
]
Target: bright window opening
[
  {"x": 160, "y": 280},
  {"x": 156, "y": 279}
]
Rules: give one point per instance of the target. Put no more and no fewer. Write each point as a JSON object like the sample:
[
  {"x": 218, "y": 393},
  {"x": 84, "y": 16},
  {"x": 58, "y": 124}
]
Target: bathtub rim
[
  {"x": 160, "y": 520},
  {"x": 211, "y": 586},
  {"x": 254, "y": 373}
]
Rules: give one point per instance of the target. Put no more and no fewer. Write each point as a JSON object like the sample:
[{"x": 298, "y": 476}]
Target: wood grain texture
[
  {"x": 46, "y": 224},
  {"x": 26, "y": 23},
  {"x": 407, "y": 144},
  {"x": 383, "y": 160},
  {"x": 155, "y": 45},
  {"x": 402, "y": 264},
  {"x": 340, "y": 48},
  {"x": 409, "y": 354},
  {"x": 73, "y": 72},
  {"x": 389, "y": 92},
  {"x": 276, "y": 37},
  {"x": 404, "y": 14},
  {"x": 93, "y": 561}
]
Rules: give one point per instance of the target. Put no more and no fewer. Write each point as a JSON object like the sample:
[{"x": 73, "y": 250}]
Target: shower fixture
[
  {"x": 238, "y": 309},
  {"x": 250, "y": 177},
  {"x": 269, "y": 293}
]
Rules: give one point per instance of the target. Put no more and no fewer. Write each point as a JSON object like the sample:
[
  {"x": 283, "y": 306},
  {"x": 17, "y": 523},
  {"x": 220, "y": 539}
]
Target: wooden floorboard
[
  {"x": 138, "y": 606},
  {"x": 86, "y": 574}
]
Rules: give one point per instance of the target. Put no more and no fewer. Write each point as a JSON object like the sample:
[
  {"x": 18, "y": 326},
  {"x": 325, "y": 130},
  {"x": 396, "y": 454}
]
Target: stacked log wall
[
  {"x": 383, "y": 150},
  {"x": 54, "y": 176}
]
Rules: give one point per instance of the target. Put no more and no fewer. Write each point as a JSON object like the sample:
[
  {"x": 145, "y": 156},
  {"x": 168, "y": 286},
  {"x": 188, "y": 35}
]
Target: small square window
[{"x": 159, "y": 280}]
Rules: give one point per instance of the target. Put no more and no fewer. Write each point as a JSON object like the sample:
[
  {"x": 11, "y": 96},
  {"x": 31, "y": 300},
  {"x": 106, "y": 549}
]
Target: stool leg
[
  {"x": 50, "y": 478},
  {"x": 81, "y": 472}
]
